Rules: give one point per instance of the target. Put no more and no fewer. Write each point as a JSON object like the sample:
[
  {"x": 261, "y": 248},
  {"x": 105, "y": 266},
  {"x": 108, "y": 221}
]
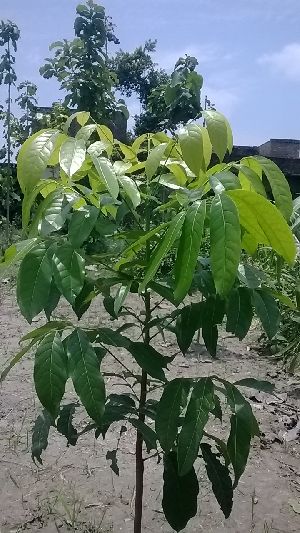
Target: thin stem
[
  {"x": 139, "y": 461},
  {"x": 8, "y": 149}
]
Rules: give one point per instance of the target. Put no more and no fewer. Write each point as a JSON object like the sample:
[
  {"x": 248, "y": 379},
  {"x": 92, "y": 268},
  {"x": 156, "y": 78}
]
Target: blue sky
[{"x": 248, "y": 52}]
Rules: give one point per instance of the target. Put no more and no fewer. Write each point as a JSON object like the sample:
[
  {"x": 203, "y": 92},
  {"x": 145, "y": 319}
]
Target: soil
[{"x": 75, "y": 489}]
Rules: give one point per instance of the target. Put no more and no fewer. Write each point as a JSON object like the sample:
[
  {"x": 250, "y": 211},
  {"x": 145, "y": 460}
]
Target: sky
[{"x": 248, "y": 52}]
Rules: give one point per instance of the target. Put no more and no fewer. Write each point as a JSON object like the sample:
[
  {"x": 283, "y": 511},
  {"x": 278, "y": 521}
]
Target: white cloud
[
  {"x": 225, "y": 99},
  {"x": 286, "y": 61}
]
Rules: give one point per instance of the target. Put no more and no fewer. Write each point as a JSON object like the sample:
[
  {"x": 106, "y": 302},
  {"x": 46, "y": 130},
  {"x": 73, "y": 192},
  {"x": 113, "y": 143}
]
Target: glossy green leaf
[
  {"x": 154, "y": 159},
  {"x": 213, "y": 313},
  {"x": 262, "y": 220},
  {"x": 72, "y": 155},
  {"x": 84, "y": 298},
  {"x": 196, "y": 417},
  {"x": 50, "y": 372},
  {"x": 86, "y": 131},
  {"x": 15, "y": 253},
  {"x": 121, "y": 297},
  {"x": 30, "y": 197},
  {"x": 109, "y": 337},
  {"x": 238, "y": 445},
  {"x": 68, "y": 271},
  {"x": 225, "y": 180},
  {"x": 64, "y": 423},
  {"x": 81, "y": 224},
  {"x": 130, "y": 188},
  {"x": 149, "y": 359},
  {"x": 40, "y": 435},
  {"x": 53, "y": 299},
  {"x": 149, "y": 435},
  {"x": 219, "y": 135},
  {"x": 163, "y": 248},
  {"x": 80, "y": 116},
  {"x": 279, "y": 185},
  {"x": 239, "y": 312},
  {"x": 188, "y": 322},
  {"x": 225, "y": 242},
  {"x": 180, "y": 493},
  {"x": 85, "y": 373},
  {"x": 219, "y": 476},
  {"x": 191, "y": 144},
  {"x": 54, "y": 213},
  {"x": 34, "y": 280},
  {"x": 250, "y": 180},
  {"x": 33, "y": 158},
  {"x": 49, "y": 327},
  {"x": 267, "y": 310},
  {"x": 189, "y": 248},
  {"x": 241, "y": 407},
  {"x": 168, "y": 411},
  {"x": 107, "y": 175}
]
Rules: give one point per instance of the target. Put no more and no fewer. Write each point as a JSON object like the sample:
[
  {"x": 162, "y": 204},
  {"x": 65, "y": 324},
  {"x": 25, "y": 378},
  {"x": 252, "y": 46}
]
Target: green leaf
[
  {"x": 82, "y": 224},
  {"x": 33, "y": 158},
  {"x": 107, "y": 175},
  {"x": 141, "y": 241},
  {"x": 218, "y": 132},
  {"x": 121, "y": 297},
  {"x": 86, "y": 131},
  {"x": 49, "y": 327},
  {"x": 264, "y": 222},
  {"x": 197, "y": 414},
  {"x": 191, "y": 144},
  {"x": 189, "y": 248},
  {"x": 180, "y": 493},
  {"x": 213, "y": 314},
  {"x": 40, "y": 435},
  {"x": 30, "y": 198},
  {"x": 109, "y": 337},
  {"x": 264, "y": 386},
  {"x": 279, "y": 185},
  {"x": 34, "y": 280},
  {"x": 80, "y": 116},
  {"x": 15, "y": 253},
  {"x": 69, "y": 272},
  {"x": 84, "y": 298},
  {"x": 149, "y": 359},
  {"x": 224, "y": 180},
  {"x": 241, "y": 407},
  {"x": 131, "y": 190},
  {"x": 239, "y": 312},
  {"x": 188, "y": 322},
  {"x": 250, "y": 180},
  {"x": 50, "y": 372},
  {"x": 15, "y": 360},
  {"x": 238, "y": 445},
  {"x": 219, "y": 476},
  {"x": 65, "y": 423},
  {"x": 154, "y": 159},
  {"x": 85, "y": 373},
  {"x": 53, "y": 299},
  {"x": 163, "y": 248},
  {"x": 225, "y": 242},
  {"x": 72, "y": 155},
  {"x": 147, "y": 432},
  {"x": 54, "y": 213},
  {"x": 168, "y": 411},
  {"x": 267, "y": 310}
]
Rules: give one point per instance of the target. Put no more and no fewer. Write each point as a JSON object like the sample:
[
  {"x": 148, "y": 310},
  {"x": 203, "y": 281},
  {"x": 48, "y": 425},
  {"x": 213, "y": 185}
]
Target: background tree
[
  {"x": 81, "y": 65},
  {"x": 27, "y": 101},
  {"x": 9, "y": 36},
  {"x": 166, "y": 100}
]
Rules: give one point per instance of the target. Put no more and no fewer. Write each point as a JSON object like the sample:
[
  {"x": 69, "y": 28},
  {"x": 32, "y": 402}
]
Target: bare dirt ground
[{"x": 75, "y": 488}]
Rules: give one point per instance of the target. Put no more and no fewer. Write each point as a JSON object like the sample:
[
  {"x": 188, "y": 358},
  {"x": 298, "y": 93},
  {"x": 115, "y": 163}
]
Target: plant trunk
[
  {"x": 139, "y": 461},
  {"x": 8, "y": 155}
]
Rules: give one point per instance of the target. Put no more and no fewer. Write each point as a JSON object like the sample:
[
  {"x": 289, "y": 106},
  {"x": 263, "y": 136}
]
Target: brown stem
[{"x": 139, "y": 461}]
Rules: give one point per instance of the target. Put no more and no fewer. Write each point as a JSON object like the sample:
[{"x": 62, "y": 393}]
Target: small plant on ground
[{"x": 123, "y": 220}]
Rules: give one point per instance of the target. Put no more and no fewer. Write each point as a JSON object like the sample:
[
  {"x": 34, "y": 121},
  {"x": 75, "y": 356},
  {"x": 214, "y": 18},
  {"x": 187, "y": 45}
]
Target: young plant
[
  {"x": 120, "y": 220},
  {"x": 9, "y": 36}
]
